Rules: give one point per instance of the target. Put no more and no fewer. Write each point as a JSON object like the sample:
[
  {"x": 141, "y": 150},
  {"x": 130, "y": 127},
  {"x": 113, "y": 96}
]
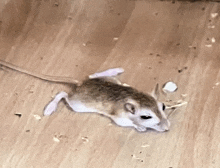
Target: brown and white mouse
[
  {"x": 104, "y": 94},
  {"x": 125, "y": 105}
]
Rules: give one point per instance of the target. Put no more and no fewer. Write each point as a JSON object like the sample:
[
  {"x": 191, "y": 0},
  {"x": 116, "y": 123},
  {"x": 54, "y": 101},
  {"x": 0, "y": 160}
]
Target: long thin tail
[{"x": 57, "y": 79}]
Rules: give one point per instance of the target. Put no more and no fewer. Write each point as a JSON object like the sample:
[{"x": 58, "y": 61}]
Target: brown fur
[{"x": 99, "y": 90}]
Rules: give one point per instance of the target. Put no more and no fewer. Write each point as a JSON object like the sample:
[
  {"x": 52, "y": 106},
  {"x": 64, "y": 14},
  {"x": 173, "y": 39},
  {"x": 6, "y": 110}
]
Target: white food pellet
[
  {"x": 145, "y": 145},
  {"x": 214, "y": 15},
  {"x": 170, "y": 87},
  {"x": 85, "y": 139},
  {"x": 213, "y": 40},
  {"x": 37, "y": 117},
  {"x": 208, "y": 45},
  {"x": 211, "y": 27},
  {"x": 56, "y": 139}
]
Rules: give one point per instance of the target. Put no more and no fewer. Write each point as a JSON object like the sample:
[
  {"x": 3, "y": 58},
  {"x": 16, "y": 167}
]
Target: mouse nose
[{"x": 165, "y": 124}]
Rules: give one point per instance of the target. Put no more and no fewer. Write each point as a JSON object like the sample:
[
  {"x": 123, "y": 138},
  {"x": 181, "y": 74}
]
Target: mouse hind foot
[
  {"x": 107, "y": 73},
  {"x": 52, "y": 106}
]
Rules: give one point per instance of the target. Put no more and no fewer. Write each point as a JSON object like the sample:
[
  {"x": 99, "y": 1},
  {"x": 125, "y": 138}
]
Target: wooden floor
[{"x": 154, "y": 41}]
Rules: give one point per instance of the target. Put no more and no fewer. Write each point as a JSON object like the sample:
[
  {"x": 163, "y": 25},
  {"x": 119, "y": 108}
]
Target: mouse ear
[
  {"x": 130, "y": 108},
  {"x": 155, "y": 93}
]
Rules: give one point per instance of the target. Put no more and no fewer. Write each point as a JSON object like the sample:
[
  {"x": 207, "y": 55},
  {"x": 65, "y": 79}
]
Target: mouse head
[{"x": 146, "y": 112}]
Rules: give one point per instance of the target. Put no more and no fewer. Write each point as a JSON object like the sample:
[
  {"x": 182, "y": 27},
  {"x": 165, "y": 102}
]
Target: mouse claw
[{"x": 50, "y": 108}]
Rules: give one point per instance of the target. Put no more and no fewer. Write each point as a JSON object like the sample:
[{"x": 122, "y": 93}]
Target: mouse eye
[
  {"x": 146, "y": 117},
  {"x": 164, "y": 107}
]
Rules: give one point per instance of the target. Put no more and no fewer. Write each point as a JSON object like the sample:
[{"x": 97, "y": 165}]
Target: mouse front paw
[
  {"x": 50, "y": 108},
  {"x": 140, "y": 128}
]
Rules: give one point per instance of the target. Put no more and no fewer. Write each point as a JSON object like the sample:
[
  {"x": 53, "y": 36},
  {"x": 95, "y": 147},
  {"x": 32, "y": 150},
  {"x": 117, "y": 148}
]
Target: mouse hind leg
[
  {"x": 52, "y": 106},
  {"x": 107, "y": 73},
  {"x": 75, "y": 105}
]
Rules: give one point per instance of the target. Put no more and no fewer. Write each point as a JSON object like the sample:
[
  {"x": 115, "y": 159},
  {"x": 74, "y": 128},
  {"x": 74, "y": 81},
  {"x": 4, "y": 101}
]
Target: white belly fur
[
  {"x": 125, "y": 122},
  {"x": 78, "y": 106}
]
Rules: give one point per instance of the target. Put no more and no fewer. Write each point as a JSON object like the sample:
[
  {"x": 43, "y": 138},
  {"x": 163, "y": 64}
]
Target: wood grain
[{"x": 154, "y": 41}]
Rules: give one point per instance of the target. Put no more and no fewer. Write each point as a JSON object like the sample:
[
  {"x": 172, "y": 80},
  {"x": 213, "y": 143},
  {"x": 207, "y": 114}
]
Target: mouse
[{"x": 105, "y": 94}]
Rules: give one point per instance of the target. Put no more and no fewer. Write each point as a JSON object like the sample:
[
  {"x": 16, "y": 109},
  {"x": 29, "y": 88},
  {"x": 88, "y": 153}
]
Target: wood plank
[{"x": 157, "y": 42}]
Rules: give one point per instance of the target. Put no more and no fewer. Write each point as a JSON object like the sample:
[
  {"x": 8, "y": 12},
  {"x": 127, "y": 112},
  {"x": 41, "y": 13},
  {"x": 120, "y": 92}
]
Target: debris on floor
[
  {"x": 213, "y": 40},
  {"x": 208, "y": 45},
  {"x": 115, "y": 38},
  {"x": 85, "y": 139},
  {"x": 137, "y": 158},
  {"x": 18, "y": 114},
  {"x": 56, "y": 139},
  {"x": 87, "y": 43},
  {"x": 214, "y": 15},
  {"x": 145, "y": 145},
  {"x": 211, "y": 27},
  {"x": 37, "y": 117},
  {"x": 181, "y": 70},
  {"x": 110, "y": 124},
  {"x": 216, "y": 84},
  {"x": 176, "y": 104},
  {"x": 31, "y": 89}
]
